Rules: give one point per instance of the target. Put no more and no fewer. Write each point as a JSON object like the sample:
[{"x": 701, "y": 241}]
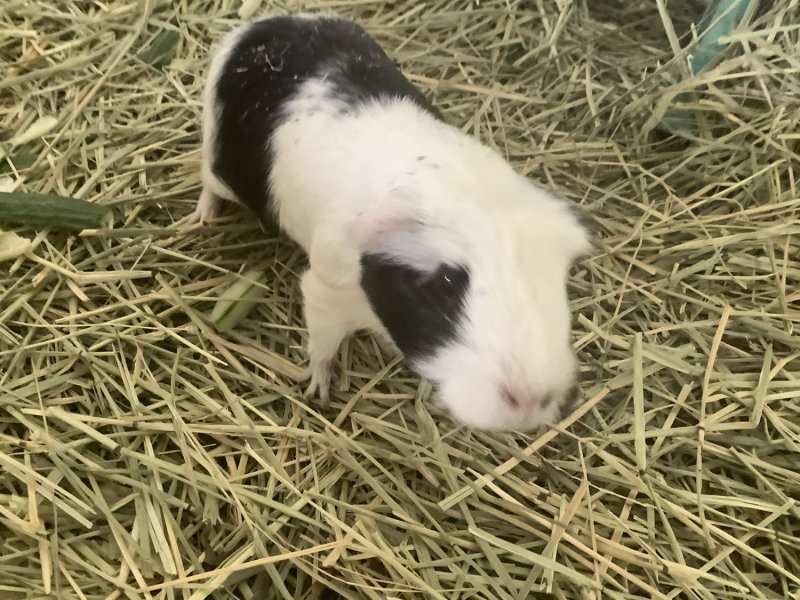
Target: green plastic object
[{"x": 721, "y": 17}]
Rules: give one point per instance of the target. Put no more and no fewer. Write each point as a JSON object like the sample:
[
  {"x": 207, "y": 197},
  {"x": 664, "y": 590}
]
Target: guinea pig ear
[
  {"x": 400, "y": 233},
  {"x": 378, "y": 229},
  {"x": 337, "y": 247}
]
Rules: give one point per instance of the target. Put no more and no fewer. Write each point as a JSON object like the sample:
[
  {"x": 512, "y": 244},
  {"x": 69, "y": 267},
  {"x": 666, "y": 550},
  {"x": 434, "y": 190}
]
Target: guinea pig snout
[
  {"x": 518, "y": 399},
  {"x": 509, "y": 397}
]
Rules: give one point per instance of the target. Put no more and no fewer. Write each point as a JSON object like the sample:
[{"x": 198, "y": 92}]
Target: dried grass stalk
[{"x": 144, "y": 455}]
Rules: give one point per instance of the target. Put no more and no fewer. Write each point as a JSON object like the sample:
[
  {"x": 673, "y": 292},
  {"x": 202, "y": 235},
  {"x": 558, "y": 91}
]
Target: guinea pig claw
[
  {"x": 200, "y": 216},
  {"x": 318, "y": 385},
  {"x": 387, "y": 345},
  {"x": 324, "y": 397},
  {"x": 209, "y": 207}
]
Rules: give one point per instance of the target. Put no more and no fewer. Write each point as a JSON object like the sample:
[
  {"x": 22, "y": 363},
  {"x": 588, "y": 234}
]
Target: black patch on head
[
  {"x": 421, "y": 310},
  {"x": 264, "y": 70}
]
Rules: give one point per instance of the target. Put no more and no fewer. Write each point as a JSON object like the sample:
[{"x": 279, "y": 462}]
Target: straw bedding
[{"x": 146, "y": 456}]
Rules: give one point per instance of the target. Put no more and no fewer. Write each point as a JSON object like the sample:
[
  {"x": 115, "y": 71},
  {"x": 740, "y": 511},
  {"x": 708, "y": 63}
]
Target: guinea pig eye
[{"x": 448, "y": 282}]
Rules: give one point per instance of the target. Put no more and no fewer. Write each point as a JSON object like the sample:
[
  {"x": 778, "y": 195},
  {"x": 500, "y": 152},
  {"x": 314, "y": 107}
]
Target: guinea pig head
[{"x": 476, "y": 300}]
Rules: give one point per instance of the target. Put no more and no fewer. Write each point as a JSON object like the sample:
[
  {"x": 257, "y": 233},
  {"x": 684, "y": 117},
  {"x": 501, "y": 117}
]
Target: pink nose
[{"x": 516, "y": 400}]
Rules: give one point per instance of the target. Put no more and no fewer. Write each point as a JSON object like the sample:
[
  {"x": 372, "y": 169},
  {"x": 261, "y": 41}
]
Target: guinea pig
[{"x": 413, "y": 229}]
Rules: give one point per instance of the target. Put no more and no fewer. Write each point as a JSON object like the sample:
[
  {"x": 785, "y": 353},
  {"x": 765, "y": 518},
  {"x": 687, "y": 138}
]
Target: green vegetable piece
[
  {"x": 237, "y": 300},
  {"x": 162, "y": 49},
  {"x": 51, "y": 211}
]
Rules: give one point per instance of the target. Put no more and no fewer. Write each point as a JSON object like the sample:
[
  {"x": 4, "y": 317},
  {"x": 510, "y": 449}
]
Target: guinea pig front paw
[
  {"x": 319, "y": 384},
  {"x": 387, "y": 345},
  {"x": 209, "y": 207}
]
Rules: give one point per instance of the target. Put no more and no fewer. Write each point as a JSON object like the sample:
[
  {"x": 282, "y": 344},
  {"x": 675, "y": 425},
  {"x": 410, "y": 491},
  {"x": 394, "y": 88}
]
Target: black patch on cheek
[
  {"x": 420, "y": 309},
  {"x": 570, "y": 402}
]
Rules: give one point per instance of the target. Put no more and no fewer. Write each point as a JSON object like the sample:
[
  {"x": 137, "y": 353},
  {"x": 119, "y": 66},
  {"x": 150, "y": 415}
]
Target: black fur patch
[
  {"x": 420, "y": 310},
  {"x": 264, "y": 70}
]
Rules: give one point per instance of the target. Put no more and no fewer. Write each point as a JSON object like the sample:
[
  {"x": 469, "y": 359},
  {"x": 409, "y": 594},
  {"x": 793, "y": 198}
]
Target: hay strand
[{"x": 146, "y": 455}]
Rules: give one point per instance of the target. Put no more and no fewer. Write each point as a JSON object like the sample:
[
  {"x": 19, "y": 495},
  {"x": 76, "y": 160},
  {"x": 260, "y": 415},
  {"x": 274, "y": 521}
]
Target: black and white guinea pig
[{"x": 414, "y": 230}]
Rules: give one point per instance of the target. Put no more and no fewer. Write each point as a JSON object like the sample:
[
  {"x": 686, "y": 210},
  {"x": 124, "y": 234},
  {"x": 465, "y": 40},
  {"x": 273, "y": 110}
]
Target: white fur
[{"x": 346, "y": 181}]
